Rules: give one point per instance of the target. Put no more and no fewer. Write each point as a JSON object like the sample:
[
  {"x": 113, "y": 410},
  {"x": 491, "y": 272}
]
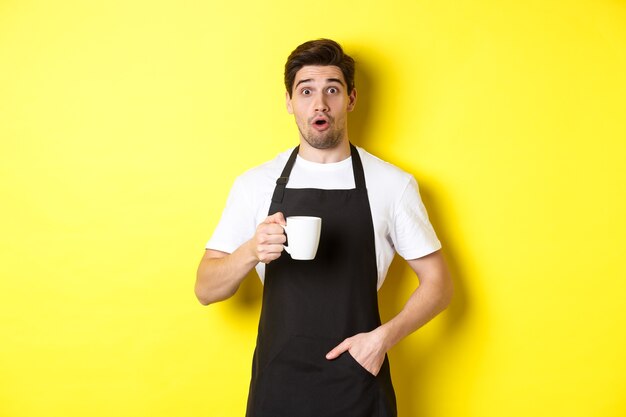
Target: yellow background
[{"x": 124, "y": 123}]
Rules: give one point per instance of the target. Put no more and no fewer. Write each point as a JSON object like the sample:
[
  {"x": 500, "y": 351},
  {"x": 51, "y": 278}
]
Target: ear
[
  {"x": 352, "y": 100},
  {"x": 288, "y": 103}
]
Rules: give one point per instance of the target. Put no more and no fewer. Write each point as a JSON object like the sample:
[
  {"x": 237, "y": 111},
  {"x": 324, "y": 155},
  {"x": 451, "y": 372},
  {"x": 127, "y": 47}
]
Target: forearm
[
  {"x": 220, "y": 274},
  {"x": 425, "y": 303},
  {"x": 430, "y": 298},
  {"x": 218, "y": 278}
]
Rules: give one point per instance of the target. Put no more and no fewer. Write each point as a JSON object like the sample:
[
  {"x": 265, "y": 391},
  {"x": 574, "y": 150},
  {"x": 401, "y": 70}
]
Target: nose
[{"x": 320, "y": 104}]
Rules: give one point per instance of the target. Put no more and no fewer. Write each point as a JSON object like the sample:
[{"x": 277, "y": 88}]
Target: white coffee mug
[{"x": 303, "y": 236}]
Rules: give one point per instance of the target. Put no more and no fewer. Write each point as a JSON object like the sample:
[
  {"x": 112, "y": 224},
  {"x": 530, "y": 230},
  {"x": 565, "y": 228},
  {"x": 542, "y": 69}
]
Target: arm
[
  {"x": 220, "y": 274},
  {"x": 431, "y": 297}
]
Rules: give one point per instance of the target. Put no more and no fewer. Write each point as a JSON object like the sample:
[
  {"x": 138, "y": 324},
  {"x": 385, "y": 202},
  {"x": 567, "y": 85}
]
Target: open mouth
[{"x": 320, "y": 124}]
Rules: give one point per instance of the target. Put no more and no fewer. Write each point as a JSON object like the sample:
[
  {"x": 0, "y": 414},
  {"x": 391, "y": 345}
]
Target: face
[{"x": 320, "y": 104}]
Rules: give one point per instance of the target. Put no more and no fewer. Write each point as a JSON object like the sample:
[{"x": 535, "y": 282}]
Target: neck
[{"x": 325, "y": 156}]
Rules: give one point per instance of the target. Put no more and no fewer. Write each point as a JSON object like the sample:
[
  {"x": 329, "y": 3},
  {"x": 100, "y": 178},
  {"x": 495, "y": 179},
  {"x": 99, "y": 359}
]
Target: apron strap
[
  {"x": 357, "y": 168},
  {"x": 281, "y": 182}
]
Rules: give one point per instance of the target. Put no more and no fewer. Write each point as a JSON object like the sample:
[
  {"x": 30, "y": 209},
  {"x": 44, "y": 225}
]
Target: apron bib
[{"x": 309, "y": 307}]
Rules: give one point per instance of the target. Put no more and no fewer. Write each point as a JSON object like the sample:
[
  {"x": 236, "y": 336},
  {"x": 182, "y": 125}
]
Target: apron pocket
[
  {"x": 301, "y": 382},
  {"x": 354, "y": 364}
]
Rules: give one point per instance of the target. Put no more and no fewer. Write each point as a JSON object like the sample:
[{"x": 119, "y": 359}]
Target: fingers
[
  {"x": 269, "y": 238},
  {"x": 339, "y": 349},
  {"x": 365, "y": 348},
  {"x": 270, "y": 234},
  {"x": 269, "y": 254},
  {"x": 270, "y": 230},
  {"x": 277, "y": 217}
]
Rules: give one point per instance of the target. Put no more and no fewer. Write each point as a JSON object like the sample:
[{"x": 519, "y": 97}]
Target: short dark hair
[{"x": 319, "y": 52}]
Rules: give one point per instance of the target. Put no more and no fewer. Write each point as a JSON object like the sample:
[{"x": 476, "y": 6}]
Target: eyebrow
[{"x": 330, "y": 80}]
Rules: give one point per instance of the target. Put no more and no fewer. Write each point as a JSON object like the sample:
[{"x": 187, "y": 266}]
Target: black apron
[{"x": 309, "y": 307}]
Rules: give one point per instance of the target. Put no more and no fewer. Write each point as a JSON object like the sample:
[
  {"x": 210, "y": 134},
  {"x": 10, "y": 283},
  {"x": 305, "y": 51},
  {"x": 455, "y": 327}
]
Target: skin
[{"x": 320, "y": 93}]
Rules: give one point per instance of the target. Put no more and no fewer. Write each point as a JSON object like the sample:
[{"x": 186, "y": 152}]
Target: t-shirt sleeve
[
  {"x": 237, "y": 224},
  {"x": 412, "y": 234}
]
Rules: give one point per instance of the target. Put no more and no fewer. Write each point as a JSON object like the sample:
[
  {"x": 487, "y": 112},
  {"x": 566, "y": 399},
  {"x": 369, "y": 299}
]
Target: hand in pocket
[{"x": 366, "y": 348}]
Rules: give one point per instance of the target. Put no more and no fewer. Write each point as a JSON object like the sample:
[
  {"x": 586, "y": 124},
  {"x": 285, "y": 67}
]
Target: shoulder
[{"x": 382, "y": 175}]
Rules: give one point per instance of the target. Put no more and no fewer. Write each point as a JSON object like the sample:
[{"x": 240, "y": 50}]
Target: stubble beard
[{"x": 328, "y": 139}]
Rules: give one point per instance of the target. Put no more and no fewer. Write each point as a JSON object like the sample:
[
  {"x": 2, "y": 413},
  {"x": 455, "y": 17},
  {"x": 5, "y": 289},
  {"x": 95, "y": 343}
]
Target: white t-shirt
[{"x": 400, "y": 219}]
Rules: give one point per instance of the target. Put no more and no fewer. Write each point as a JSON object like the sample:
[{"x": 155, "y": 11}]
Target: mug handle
[{"x": 285, "y": 246}]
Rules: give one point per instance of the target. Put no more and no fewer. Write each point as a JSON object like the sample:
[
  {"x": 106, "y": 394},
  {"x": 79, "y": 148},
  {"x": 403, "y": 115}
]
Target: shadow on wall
[{"x": 410, "y": 366}]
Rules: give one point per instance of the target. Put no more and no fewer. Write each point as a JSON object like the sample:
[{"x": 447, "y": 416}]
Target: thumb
[
  {"x": 277, "y": 217},
  {"x": 338, "y": 350}
]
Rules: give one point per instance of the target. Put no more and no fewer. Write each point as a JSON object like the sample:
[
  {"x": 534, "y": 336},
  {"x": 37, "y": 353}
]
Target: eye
[
  {"x": 333, "y": 90},
  {"x": 306, "y": 91}
]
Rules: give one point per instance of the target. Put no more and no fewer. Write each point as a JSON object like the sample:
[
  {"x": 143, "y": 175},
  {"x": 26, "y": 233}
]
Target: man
[{"x": 321, "y": 348}]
